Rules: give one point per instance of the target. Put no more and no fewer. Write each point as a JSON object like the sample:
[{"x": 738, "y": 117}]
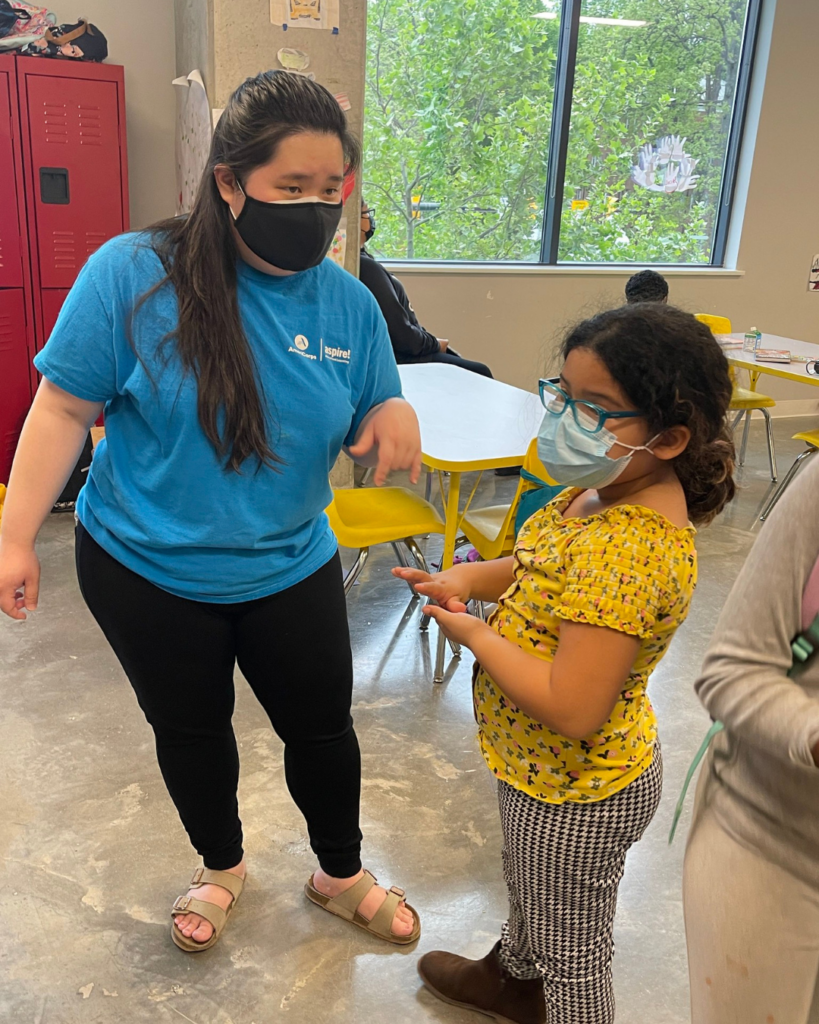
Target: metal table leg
[{"x": 447, "y": 558}]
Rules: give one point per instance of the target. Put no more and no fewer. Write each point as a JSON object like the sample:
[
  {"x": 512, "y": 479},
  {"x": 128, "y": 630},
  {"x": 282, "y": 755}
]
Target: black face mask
[
  {"x": 368, "y": 234},
  {"x": 291, "y": 234}
]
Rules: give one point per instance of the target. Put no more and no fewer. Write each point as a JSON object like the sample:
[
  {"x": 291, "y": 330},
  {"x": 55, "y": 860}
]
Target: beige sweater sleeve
[{"x": 744, "y": 682}]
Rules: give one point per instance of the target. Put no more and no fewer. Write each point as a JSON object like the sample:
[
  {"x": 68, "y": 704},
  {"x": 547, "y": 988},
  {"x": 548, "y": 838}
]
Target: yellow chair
[
  {"x": 491, "y": 531},
  {"x": 811, "y": 439},
  {"x": 744, "y": 401},
  {"x": 365, "y": 516}
]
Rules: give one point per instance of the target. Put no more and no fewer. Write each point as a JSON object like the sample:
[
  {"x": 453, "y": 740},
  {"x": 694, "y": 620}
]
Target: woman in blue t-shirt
[{"x": 233, "y": 363}]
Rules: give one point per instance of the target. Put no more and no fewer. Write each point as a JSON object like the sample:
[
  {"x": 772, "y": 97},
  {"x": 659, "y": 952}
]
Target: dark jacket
[{"x": 409, "y": 339}]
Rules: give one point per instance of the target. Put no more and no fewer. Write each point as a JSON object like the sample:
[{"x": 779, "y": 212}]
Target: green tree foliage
[{"x": 458, "y": 115}]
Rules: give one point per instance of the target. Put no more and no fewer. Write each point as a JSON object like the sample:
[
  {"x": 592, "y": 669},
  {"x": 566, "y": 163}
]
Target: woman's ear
[
  {"x": 671, "y": 443},
  {"x": 228, "y": 186}
]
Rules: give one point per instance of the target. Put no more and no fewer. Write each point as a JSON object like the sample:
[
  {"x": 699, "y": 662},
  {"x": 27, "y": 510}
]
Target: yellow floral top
[{"x": 627, "y": 568}]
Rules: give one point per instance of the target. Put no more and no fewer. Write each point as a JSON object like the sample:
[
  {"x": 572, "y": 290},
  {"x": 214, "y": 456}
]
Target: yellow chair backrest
[
  {"x": 718, "y": 324},
  {"x": 533, "y": 465}
]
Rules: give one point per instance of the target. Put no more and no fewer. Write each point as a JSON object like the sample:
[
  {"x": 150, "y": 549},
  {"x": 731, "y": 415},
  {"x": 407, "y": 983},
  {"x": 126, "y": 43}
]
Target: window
[{"x": 555, "y": 131}]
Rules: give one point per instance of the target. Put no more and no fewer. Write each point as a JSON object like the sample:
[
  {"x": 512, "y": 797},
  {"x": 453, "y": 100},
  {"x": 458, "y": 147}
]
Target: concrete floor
[{"x": 92, "y": 853}]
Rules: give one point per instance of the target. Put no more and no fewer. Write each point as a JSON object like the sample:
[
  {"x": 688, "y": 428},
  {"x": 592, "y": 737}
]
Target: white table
[
  {"x": 468, "y": 423},
  {"x": 791, "y": 371},
  {"x": 795, "y": 371}
]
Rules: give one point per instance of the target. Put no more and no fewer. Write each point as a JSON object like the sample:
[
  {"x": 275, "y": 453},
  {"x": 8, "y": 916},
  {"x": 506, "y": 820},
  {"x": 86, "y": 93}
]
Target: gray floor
[{"x": 92, "y": 853}]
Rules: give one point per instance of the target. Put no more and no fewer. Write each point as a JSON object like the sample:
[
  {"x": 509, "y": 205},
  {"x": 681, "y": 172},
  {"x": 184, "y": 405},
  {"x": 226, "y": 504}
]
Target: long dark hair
[
  {"x": 671, "y": 367},
  {"x": 199, "y": 257}
]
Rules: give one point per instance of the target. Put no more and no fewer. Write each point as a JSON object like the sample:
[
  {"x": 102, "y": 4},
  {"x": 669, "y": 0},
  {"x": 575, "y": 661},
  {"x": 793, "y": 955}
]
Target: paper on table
[
  {"x": 321, "y": 14},
  {"x": 772, "y": 355}
]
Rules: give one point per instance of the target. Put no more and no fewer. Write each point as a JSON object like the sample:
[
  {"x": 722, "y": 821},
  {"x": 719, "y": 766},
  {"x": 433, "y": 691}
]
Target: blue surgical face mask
[{"x": 578, "y": 459}]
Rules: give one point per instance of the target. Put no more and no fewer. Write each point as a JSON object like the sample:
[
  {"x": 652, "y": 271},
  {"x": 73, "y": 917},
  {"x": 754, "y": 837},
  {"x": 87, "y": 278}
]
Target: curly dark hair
[
  {"x": 671, "y": 367},
  {"x": 646, "y": 286}
]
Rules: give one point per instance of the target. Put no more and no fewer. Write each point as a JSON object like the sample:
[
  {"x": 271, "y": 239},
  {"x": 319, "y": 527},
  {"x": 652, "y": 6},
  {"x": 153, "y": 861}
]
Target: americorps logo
[{"x": 301, "y": 347}]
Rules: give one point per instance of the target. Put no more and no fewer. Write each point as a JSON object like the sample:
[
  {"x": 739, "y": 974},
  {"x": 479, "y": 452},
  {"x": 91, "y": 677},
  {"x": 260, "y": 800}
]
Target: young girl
[
  {"x": 233, "y": 362},
  {"x": 600, "y": 580}
]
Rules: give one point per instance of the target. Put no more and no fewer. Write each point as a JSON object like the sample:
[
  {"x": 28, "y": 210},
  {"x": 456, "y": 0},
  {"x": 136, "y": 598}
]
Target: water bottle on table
[{"x": 753, "y": 339}]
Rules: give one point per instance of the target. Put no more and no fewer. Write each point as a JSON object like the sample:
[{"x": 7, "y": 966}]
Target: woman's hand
[
  {"x": 392, "y": 433},
  {"x": 449, "y": 589},
  {"x": 458, "y": 626},
  {"x": 19, "y": 580}
]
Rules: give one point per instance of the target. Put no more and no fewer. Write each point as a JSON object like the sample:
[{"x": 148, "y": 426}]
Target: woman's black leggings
[{"x": 294, "y": 650}]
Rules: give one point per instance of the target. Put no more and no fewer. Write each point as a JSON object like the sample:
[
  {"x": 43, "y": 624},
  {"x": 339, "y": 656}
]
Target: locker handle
[{"x": 54, "y": 185}]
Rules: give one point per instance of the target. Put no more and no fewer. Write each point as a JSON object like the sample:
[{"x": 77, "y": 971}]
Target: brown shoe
[{"x": 483, "y": 985}]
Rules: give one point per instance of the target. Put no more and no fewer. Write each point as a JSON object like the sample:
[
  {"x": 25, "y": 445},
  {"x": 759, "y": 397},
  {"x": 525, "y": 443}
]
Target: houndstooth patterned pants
[{"x": 563, "y": 864}]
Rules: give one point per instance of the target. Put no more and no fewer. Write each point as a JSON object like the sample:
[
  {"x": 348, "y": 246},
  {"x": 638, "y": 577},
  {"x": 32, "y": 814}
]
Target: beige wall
[
  {"x": 194, "y": 39},
  {"x": 141, "y": 37},
  {"x": 512, "y": 321}
]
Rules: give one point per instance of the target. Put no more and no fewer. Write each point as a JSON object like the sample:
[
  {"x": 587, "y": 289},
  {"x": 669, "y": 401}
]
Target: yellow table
[{"x": 468, "y": 423}]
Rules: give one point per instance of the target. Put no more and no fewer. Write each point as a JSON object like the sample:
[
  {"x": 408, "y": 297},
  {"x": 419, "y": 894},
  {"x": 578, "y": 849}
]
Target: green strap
[
  {"x": 804, "y": 646},
  {"x": 706, "y": 743}
]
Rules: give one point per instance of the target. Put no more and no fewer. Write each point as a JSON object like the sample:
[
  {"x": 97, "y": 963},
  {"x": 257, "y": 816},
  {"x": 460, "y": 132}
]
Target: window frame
[{"x": 559, "y": 145}]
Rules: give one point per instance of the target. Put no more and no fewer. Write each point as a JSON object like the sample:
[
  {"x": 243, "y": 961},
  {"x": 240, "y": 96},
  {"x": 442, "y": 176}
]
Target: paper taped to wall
[
  {"x": 194, "y": 128},
  {"x": 321, "y": 14},
  {"x": 813, "y": 276}
]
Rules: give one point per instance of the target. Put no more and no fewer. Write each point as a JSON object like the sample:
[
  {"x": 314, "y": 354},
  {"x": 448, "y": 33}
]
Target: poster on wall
[
  {"x": 194, "y": 128},
  {"x": 320, "y": 14},
  {"x": 813, "y": 276}
]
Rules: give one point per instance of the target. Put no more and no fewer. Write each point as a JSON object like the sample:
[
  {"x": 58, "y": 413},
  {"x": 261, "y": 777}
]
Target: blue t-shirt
[{"x": 158, "y": 499}]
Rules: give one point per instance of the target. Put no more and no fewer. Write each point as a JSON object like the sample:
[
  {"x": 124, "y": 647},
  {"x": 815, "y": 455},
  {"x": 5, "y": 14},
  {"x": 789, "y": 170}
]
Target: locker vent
[
  {"x": 64, "y": 250},
  {"x": 62, "y": 121},
  {"x": 5, "y": 334},
  {"x": 90, "y": 127},
  {"x": 56, "y": 123},
  {"x": 94, "y": 239}
]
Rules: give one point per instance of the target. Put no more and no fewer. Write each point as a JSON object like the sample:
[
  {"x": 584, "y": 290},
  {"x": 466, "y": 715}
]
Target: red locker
[
  {"x": 76, "y": 172},
  {"x": 62, "y": 146},
  {"x": 16, "y": 320}
]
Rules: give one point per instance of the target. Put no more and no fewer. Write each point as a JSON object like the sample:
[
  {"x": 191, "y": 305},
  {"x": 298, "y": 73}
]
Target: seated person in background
[
  {"x": 647, "y": 286},
  {"x": 410, "y": 342}
]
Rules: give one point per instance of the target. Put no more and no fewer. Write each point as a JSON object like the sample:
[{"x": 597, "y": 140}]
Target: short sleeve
[
  {"x": 380, "y": 380},
  {"x": 79, "y": 356},
  {"x": 620, "y": 575}
]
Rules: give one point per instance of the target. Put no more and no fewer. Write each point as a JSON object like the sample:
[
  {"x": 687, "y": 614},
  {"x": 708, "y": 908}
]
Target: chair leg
[
  {"x": 355, "y": 572},
  {"x": 777, "y": 494},
  {"x": 428, "y": 486},
  {"x": 417, "y": 554},
  {"x": 421, "y": 562},
  {"x": 737, "y": 418},
  {"x": 403, "y": 561},
  {"x": 771, "y": 449},
  {"x": 744, "y": 444}
]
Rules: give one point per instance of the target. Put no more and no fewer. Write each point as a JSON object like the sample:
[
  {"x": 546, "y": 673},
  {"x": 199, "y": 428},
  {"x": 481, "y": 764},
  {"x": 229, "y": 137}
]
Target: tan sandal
[
  {"x": 212, "y": 913},
  {"x": 346, "y": 906}
]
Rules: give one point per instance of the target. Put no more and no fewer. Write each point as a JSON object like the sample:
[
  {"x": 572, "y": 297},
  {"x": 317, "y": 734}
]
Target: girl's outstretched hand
[{"x": 449, "y": 589}]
